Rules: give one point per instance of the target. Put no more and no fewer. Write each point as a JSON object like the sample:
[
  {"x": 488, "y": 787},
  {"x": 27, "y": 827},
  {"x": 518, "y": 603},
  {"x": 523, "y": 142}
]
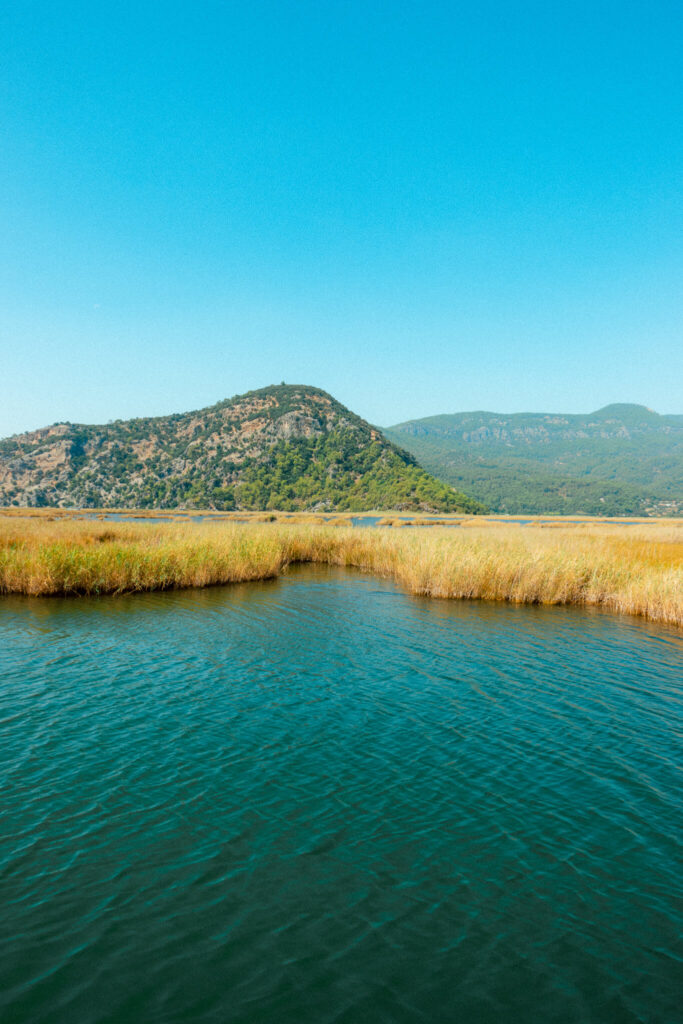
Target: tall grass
[
  {"x": 79, "y": 557},
  {"x": 638, "y": 570}
]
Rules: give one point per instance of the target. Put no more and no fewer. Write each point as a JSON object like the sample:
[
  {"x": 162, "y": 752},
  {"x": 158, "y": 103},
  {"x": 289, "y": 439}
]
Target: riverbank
[{"x": 635, "y": 570}]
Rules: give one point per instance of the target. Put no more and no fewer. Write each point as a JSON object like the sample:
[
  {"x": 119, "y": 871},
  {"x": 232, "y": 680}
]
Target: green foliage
[
  {"x": 337, "y": 472},
  {"x": 621, "y": 460}
]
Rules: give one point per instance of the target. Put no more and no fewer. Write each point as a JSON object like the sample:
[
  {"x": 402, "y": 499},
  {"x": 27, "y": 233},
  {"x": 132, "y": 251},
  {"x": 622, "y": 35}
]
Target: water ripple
[{"x": 319, "y": 799}]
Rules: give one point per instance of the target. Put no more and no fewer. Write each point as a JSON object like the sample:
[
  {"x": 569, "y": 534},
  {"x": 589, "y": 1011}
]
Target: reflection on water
[{"x": 318, "y": 799}]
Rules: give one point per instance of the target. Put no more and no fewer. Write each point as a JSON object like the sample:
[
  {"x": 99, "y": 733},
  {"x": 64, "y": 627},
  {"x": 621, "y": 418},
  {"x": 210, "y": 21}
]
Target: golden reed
[{"x": 634, "y": 569}]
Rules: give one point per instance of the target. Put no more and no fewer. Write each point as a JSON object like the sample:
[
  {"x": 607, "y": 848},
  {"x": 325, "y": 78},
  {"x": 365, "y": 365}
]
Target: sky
[{"x": 421, "y": 208}]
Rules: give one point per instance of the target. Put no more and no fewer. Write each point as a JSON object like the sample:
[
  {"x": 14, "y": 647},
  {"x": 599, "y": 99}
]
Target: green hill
[
  {"x": 620, "y": 460},
  {"x": 283, "y": 447}
]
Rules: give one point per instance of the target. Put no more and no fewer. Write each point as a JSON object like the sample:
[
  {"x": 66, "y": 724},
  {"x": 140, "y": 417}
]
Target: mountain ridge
[{"x": 622, "y": 459}]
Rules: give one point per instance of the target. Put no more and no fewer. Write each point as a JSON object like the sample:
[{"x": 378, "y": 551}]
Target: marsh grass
[
  {"x": 68, "y": 557},
  {"x": 636, "y": 569}
]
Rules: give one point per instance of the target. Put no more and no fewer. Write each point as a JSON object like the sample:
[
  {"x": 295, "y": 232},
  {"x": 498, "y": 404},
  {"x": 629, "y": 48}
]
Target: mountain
[
  {"x": 620, "y": 460},
  {"x": 284, "y": 447}
]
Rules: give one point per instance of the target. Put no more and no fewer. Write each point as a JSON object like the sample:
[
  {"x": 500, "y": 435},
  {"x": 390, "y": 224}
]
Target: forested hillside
[
  {"x": 282, "y": 447},
  {"x": 620, "y": 460}
]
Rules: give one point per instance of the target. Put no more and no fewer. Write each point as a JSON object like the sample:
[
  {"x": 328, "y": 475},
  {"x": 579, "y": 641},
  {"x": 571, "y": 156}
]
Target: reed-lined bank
[{"x": 636, "y": 570}]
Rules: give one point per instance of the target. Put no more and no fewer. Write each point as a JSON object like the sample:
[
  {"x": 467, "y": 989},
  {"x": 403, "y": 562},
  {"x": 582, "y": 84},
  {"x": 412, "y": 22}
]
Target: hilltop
[
  {"x": 621, "y": 460},
  {"x": 284, "y": 447}
]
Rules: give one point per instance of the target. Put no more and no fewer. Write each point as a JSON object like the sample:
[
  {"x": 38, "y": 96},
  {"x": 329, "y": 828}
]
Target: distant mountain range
[
  {"x": 282, "y": 447},
  {"x": 620, "y": 460},
  {"x": 294, "y": 447}
]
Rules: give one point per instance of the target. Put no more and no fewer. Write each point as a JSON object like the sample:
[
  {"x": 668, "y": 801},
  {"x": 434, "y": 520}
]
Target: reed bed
[
  {"x": 636, "y": 569},
  {"x": 89, "y": 557}
]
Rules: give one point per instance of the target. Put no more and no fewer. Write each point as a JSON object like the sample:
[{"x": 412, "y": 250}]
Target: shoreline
[{"x": 635, "y": 569}]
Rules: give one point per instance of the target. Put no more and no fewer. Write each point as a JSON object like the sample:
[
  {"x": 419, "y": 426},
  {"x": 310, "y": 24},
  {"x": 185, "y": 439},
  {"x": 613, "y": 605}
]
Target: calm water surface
[{"x": 321, "y": 800}]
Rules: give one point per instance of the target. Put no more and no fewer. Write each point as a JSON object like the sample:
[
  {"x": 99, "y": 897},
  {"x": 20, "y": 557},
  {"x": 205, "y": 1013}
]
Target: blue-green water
[{"x": 321, "y": 800}]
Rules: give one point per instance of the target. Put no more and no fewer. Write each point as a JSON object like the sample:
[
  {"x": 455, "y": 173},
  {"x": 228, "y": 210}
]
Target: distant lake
[{"x": 319, "y": 800}]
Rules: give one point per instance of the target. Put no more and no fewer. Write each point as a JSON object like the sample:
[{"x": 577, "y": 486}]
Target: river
[{"x": 319, "y": 799}]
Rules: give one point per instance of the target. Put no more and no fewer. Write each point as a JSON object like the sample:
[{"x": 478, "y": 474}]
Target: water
[
  {"x": 366, "y": 521},
  {"x": 321, "y": 800}
]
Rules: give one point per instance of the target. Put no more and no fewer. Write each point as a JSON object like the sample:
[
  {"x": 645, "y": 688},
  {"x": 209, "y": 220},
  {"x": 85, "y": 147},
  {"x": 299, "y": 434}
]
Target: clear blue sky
[{"x": 422, "y": 208}]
